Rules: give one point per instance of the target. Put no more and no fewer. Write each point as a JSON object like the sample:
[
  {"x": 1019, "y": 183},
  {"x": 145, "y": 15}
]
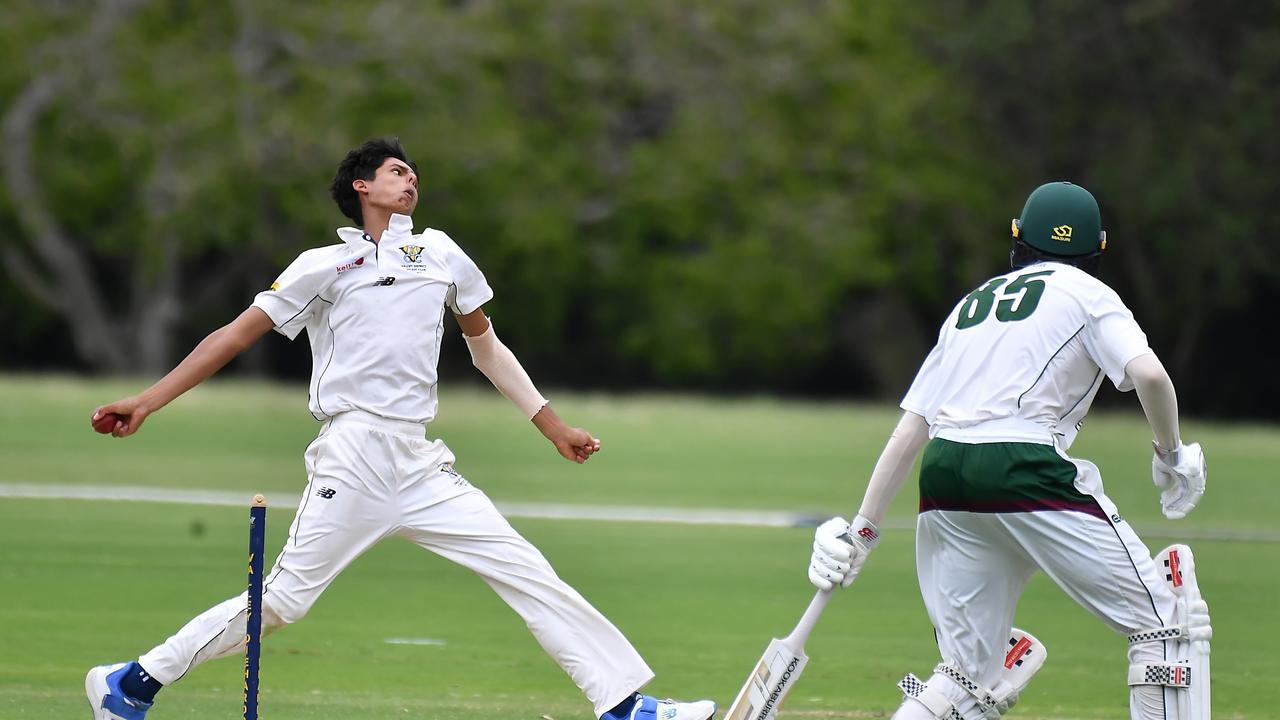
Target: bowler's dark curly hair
[{"x": 361, "y": 164}]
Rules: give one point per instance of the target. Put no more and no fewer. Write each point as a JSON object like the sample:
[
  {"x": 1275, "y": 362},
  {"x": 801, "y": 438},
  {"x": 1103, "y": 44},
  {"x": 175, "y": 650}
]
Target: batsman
[{"x": 995, "y": 408}]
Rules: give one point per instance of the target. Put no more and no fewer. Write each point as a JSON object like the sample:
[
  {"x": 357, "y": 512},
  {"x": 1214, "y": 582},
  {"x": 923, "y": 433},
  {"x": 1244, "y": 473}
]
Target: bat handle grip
[{"x": 809, "y": 619}]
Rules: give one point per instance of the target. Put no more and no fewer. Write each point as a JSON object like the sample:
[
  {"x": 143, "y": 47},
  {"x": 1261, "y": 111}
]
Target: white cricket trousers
[
  {"x": 973, "y": 567},
  {"x": 371, "y": 478}
]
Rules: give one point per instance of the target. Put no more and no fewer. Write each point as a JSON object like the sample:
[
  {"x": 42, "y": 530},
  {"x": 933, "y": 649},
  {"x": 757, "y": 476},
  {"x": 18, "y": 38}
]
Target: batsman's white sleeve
[
  {"x": 502, "y": 368},
  {"x": 1158, "y": 398},
  {"x": 895, "y": 462}
]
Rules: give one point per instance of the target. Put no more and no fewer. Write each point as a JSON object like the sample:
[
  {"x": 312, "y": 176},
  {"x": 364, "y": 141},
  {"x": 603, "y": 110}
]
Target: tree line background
[{"x": 730, "y": 196}]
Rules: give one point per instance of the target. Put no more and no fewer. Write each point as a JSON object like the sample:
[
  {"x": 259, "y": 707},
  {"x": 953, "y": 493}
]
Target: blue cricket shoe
[
  {"x": 107, "y": 700},
  {"x": 651, "y": 708}
]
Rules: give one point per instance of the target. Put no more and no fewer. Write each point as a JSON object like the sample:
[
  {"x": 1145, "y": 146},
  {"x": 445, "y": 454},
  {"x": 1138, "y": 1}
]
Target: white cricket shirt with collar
[
  {"x": 374, "y": 313},
  {"x": 1000, "y": 376}
]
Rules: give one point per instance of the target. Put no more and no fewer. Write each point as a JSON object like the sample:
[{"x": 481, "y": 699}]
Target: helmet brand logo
[{"x": 1062, "y": 233}]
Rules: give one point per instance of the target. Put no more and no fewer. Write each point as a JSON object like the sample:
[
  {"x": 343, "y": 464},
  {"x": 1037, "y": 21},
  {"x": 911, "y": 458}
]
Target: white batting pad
[
  {"x": 1023, "y": 659},
  {"x": 1186, "y": 641}
]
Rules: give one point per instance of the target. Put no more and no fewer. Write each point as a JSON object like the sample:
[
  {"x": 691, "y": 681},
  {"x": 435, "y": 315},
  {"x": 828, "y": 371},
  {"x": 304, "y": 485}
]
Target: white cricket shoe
[
  {"x": 107, "y": 700},
  {"x": 651, "y": 708}
]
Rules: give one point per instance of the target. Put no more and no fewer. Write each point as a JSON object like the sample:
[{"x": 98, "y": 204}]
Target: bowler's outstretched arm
[{"x": 215, "y": 351}]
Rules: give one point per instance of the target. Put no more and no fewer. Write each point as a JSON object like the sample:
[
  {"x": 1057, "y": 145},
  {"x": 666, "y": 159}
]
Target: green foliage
[
  {"x": 672, "y": 195},
  {"x": 1165, "y": 110},
  {"x": 742, "y": 194}
]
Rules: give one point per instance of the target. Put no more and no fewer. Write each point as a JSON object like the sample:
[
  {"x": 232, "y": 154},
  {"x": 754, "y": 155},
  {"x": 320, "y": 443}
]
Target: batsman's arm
[
  {"x": 899, "y": 454},
  {"x": 215, "y": 351},
  {"x": 840, "y": 548},
  {"x": 1177, "y": 469},
  {"x": 1158, "y": 398},
  {"x": 500, "y": 365}
]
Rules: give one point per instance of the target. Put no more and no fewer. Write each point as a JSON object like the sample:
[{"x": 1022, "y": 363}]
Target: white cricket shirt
[
  {"x": 1021, "y": 358},
  {"x": 375, "y": 316}
]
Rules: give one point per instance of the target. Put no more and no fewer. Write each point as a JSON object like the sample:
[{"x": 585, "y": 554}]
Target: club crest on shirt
[{"x": 412, "y": 253}]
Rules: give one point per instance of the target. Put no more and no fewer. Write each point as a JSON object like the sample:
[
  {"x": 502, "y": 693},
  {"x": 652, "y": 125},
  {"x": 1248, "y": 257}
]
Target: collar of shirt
[{"x": 401, "y": 227}]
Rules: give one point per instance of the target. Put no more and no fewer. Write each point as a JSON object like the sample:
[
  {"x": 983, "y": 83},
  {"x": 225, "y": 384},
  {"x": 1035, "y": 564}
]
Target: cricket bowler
[
  {"x": 373, "y": 306},
  {"x": 995, "y": 407}
]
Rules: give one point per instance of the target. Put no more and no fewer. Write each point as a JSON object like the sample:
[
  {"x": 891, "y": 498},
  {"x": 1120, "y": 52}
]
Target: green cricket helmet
[{"x": 1061, "y": 219}]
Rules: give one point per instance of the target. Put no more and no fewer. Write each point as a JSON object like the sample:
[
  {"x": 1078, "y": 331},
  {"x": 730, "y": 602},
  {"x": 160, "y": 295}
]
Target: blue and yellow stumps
[{"x": 253, "y": 626}]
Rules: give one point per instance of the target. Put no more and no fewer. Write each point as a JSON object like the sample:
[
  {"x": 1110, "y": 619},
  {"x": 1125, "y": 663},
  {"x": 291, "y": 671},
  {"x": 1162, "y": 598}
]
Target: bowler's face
[{"x": 394, "y": 187}]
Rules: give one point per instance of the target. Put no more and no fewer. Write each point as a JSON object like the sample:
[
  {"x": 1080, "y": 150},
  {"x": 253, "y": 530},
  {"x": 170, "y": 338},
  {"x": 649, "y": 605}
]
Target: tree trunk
[{"x": 51, "y": 267}]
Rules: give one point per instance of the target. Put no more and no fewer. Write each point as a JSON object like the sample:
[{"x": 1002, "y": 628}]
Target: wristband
[
  {"x": 1168, "y": 457},
  {"x": 865, "y": 532}
]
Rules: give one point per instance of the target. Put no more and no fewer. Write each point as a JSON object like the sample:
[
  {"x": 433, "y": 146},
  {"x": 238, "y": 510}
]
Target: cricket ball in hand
[{"x": 107, "y": 422}]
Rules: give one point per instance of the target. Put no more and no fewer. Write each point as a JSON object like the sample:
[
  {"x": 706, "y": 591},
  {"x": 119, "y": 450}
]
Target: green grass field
[{"x": 87, "y": 582}]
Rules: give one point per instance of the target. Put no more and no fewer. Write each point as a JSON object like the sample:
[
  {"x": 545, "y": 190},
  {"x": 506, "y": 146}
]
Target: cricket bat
[{"x": 778, "y": 668}]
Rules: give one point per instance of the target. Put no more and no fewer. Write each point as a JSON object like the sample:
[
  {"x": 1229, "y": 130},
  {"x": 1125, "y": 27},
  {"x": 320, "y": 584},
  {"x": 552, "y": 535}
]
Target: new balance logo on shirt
[
  {"x": 457, "y": 479},
  {"x": 384, "y": 281},
  {"x": 326, "y": 493}
]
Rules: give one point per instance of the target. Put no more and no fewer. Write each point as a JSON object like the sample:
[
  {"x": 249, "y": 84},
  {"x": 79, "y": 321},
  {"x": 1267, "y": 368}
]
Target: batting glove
[
  {"x": 839, "y": 551},
  {"x": 1180, "y": 475}
]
